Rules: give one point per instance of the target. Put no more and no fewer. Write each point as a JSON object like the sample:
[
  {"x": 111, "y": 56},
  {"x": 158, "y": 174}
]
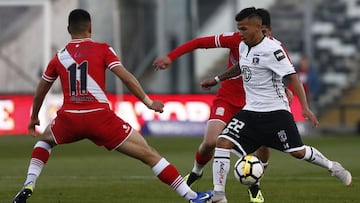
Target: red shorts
[
  {"x": 222, "y": 110},
  {"x": 103, "y": 127}
]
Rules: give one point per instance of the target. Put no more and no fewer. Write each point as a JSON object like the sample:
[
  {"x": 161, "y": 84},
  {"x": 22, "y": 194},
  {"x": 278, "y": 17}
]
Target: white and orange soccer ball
[{"x": 248, "y": 170}]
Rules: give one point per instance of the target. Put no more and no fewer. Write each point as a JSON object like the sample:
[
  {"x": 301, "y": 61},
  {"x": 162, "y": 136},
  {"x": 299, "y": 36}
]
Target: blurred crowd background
[{"x": 321, "y": 36}]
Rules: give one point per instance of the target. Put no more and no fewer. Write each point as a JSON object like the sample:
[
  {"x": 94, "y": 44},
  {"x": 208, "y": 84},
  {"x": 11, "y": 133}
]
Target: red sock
[
  {"x": 40, "y": 154},
  {"x": 203, "y": 160},
  {"x": 171, "y": 177},
  {"x": 168, "y": 174}
]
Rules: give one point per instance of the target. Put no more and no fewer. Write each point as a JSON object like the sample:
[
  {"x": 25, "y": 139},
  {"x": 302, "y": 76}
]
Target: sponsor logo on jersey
[
  {"x": 279, "y": 55},
  {"x": 126, "y": 128},
  {"x": 220, "y": 111},
  {"x": 246, "y": 73},
  {"x": 225, "y": 131}
]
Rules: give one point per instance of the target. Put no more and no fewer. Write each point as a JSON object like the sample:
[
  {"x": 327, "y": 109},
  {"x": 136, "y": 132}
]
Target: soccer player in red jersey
[
  {"x": 229, "y": 99},
  {"x": 86, "y": 114}
]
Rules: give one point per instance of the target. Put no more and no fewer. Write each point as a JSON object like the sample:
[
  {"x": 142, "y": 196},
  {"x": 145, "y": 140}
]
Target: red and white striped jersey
[
  {"x": 81, "y": 66},
  {"x": 230, "y": 90}
]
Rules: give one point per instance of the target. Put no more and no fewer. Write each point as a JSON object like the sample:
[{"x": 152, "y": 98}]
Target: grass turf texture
[{"x": 82, "y": 172}]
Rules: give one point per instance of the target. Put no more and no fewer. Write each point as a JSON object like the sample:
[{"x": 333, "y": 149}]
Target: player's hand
[
  {"x": 208, "y": 83},
  {"x": 309, "y": 115},
  {"x": 31, "y": 127},
  {"x": 161, "y": 62},
  {"x": 157, "y": 106},
  {"x": 289, "y": 95}
]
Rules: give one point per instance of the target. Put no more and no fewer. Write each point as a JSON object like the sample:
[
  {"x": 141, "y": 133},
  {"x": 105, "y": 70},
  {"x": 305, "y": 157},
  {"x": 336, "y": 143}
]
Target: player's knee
[
  {"x": 224, "y": 143},
  {"x": 263, "y": 153},
  {"x": 298, "y": 154},
  {"x": 208, "y": 144}
]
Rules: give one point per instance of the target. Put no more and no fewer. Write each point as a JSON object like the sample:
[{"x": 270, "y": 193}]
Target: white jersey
[{"x": 263, "y": 67}]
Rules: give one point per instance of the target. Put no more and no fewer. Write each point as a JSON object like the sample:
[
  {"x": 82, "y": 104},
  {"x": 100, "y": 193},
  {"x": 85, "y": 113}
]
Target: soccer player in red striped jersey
[
  {"x": 229, "y": 99},
  {"x": 86, "y": 114}
]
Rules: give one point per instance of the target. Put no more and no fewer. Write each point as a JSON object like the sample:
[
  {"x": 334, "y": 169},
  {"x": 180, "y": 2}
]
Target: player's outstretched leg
[
  {"x": 219, "y": 197},
  {"x": 205, "y": 151},
  {"x": 313, "y": 156},
  {"x": 24, "y": 194},
  {"x": 39, "y": 157},
  {"x": 341, "y": 173},
  {"x": 202, "y": 197}
]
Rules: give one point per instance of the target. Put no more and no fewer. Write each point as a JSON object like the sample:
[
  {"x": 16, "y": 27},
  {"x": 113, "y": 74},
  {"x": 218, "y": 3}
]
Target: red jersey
[
  {"x": 230, "y": 90},
  {"x": 81, "y": 66}
]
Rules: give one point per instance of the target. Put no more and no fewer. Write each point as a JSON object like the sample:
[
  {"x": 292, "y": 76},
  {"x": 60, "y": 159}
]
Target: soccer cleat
[
  {"x": 202, "y": 197},
  {"x": 221, "y": 200},
  {"x": 191, "y": 178},
  {"x": 219, "y": 197},
  {"x": 255, "y": 194},
  {"x": 24, "y": 194},
  {"x": 341, "y": 173}
]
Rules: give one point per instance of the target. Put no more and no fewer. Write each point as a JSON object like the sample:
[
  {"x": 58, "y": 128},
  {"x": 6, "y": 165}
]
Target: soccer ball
[{"x": 248, "y": 170}]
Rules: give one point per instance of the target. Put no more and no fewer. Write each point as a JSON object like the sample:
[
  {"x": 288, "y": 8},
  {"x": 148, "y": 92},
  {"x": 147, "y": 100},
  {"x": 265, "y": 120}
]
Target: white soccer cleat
[
  {"x": 341, "y": 173},
  {"x": 218, "y": 197},
  {"x": 222, "y": 200}
]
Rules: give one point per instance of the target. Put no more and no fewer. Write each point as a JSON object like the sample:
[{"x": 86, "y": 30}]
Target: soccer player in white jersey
[
  {"x": 266, "y": 118},
  {"x": 229, "y": 99}
]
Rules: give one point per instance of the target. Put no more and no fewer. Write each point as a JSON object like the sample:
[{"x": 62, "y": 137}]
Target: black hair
[
  {"x": 245, "y": 13},
  {"x": 265, "y": 16},
  {"x": 79, "y": 21}
]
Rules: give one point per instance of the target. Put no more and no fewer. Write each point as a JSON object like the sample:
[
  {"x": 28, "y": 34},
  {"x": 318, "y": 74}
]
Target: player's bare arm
[
  {"x": 41, "y": 91},
  {"x": 300, "y": 92},
  {"x": 289, "y": 95},
  {"x": 134, "y": 86},
  {"x": 230, "y": 73}
]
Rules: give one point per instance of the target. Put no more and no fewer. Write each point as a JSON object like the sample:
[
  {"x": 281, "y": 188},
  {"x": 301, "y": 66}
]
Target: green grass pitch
[{"x": 84, "y": 173}]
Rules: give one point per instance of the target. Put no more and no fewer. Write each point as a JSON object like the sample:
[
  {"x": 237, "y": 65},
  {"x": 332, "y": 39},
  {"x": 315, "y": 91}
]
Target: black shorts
[{"x": 249, "y": 130}]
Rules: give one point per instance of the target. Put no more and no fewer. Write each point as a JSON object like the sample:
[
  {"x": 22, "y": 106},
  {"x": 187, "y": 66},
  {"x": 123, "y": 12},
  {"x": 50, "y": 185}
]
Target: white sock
[
  {"x": 190, "y": 194},
  {"x": 265, "y": 164},
  {"x": 313, "y": 156},
  {"x": 221, "y": 166},
  {"x": 198, "y": 168},
  {"x": 36, "y": 165}
]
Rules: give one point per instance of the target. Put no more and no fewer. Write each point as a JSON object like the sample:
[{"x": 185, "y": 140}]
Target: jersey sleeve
[
  {"x": 189, "y": 46},
  {"x": 50, "y": 74},
  {"x": 229, "y": 40},
  {"x": 111, "y": 58},
  {"x": 224, "y": 40},
  {"x": 281, "y": 63}
]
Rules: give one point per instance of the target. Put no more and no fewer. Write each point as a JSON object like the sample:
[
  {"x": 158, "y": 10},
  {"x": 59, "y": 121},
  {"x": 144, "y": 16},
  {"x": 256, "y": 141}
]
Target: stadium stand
[{"x": 335, "y": 32}]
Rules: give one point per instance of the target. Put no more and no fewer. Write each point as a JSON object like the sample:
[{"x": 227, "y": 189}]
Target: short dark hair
[
  {"x": 265, "y": 16},
  {"x": 245, "y": 13},
  {"x": 79, "y": 21}
]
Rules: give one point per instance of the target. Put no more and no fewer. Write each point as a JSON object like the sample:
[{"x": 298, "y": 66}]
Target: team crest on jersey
[
  {"x": 255, "y": 60},
  {"x": 279, "y": 55},
  {"x": 246, "y": 73}
]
